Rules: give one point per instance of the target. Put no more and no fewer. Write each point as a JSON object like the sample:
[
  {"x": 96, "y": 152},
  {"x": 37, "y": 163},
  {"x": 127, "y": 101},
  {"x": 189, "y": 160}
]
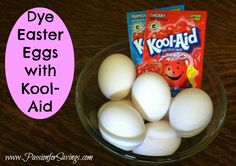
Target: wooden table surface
[{"x": 94, "y": 25}]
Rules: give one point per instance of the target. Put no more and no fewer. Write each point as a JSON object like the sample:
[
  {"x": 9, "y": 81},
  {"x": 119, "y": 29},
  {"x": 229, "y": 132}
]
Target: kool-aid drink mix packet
[
  {"x": 136, "y": 26},
  {"x": 174, "y": 47}
]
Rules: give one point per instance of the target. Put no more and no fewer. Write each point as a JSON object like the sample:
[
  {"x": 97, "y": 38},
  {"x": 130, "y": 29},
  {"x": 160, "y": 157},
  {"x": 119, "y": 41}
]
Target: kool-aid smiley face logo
[
  {"x": 174, "y": 72},
  {"x": 180, "y": 42},
  {"x": 39, "y": 63}
]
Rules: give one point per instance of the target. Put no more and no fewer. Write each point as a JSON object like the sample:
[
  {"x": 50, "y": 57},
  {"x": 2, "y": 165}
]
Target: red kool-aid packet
[{"x": 174, "y": 47}]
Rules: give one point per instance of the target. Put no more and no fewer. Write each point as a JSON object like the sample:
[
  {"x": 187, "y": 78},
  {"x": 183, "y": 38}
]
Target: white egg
[
  {"x": 116, "y": 76},
  {"x": 190, "y": 112},
  {"x": 151, "y": 96},
  {"x": 121, "y": 119},
  {"x": 122, "y": 143},
  {"x": 166, "y": 117},
  {"x": 160, "y": 140}
]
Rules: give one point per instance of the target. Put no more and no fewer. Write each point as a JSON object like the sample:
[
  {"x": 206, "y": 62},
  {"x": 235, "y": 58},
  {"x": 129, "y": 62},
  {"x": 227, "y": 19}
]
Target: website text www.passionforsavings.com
[{"x": 61, "y": 156}]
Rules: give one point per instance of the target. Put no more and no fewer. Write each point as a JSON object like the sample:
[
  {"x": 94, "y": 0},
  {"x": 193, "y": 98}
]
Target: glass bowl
[{"x": 89, "y": 98}]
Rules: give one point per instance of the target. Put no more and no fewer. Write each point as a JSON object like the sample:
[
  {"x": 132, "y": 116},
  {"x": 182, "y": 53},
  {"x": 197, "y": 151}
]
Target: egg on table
[
  {"x": 190, "y": 112},
  {"x": 151, "y": 96},
  {"x": 160, "y": 140},
  {"x": 121, "y": 124},
  {"x": 116, "y": 76}
]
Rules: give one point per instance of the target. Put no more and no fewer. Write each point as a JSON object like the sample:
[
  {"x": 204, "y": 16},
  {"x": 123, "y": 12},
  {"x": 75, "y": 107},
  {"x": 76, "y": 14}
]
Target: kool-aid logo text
[
  {"x": 138, "y": 43},
  {"x": 181, "y": 42}
]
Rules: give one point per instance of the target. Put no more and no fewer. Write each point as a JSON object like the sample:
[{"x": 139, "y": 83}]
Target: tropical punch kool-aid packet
[
  {"x": 174, "y": 47},
  {"x": 136, "y": 25}
]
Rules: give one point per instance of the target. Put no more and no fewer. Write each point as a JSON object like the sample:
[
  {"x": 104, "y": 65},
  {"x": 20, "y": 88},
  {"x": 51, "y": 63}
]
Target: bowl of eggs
[{"x": 136, "y": 119}]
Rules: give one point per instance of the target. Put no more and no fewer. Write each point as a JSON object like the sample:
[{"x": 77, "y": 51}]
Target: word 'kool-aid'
[{"x": 136, "y": 26}]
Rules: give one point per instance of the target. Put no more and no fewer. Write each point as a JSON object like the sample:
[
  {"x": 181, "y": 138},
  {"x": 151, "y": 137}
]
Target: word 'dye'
[{"x": 32, "y": 16}]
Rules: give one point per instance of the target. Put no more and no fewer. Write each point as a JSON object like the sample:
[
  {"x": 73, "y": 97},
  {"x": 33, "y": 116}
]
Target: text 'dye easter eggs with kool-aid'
[{"x": 39, "y": 63}]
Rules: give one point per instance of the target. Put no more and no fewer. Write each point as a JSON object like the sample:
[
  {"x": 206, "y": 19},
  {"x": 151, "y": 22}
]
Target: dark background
[{"x": 94, "y": 25}]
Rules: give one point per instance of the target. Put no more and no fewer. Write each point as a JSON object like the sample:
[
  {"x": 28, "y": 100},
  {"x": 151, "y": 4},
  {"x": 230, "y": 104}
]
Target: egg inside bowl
[{"x": 89, "y": 99}]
